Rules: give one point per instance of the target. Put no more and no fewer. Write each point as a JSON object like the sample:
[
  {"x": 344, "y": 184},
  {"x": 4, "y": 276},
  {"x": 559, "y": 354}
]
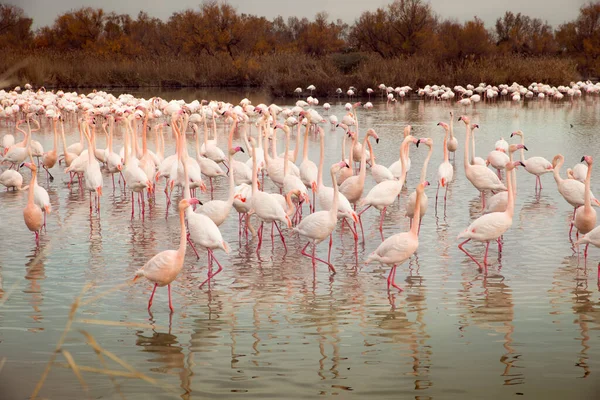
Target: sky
[{"x": 555, "y": 12}]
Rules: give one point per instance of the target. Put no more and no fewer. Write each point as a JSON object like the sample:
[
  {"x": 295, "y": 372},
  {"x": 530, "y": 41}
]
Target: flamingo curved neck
[
  {"x": 587, "y": 198},
  {"x": 426, "y": 162},
  {"x": 320, "y": 173},
  {"x": 414, "y": 229},
  {"x": 467, "y": 137}
]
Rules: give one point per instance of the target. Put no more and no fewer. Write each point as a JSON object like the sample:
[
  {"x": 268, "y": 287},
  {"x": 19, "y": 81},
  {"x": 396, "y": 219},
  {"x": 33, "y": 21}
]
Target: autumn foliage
[{"x": 214, "y": 44}]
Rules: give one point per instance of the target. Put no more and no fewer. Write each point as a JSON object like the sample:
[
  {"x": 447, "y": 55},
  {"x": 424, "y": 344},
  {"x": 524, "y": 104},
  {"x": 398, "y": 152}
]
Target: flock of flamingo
[{"x": 303, "y": 205}]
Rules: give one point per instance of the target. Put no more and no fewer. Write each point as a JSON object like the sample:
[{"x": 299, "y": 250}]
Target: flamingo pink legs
[
  {"x": 314, "y": 259},
  {"x": 391, "y": 280}
]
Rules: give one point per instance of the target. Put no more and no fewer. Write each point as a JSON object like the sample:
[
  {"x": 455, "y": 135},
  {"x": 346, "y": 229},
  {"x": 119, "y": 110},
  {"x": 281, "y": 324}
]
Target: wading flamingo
[
  {"x": 480, "y": 176},
  {"x": 318, "y": 225},
  {"x": 445, "y": 171},
  {"x": 491, "y": 226},
  {"x": 32, "y": 214},
  {"x": 412, "y": 199},
  {"x": 585, "y": 217},
  {"x": 398, "y": 248},
  {"x": 534, "y": 165},
  {"x": 163, "y": 268}
]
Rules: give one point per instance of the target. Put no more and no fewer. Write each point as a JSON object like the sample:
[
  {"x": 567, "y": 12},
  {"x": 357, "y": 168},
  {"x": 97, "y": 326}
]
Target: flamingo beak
[
  {"x": 194, "y": 201},
  {"x": 377, "y": 140},
  {"x": 582, "y": 159},
  {"x": 525, "y": 147},
  {"x": 419, "y": 141},
  {"x": 460, "y": 118}
]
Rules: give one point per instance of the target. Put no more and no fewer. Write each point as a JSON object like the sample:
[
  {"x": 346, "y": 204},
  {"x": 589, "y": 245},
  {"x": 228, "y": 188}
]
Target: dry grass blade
[
  {"x": 60, "y": 342},
  {"x": 91, "y": 339},
  {"x": 107, "y": 292},
  {"x": 75, "y": 369},
  {"x": 166, "y": 387},
  {"x": 12, "y": 288},
  {"x": 109, "y": 372},
  {"x": 118, "y": 323}
]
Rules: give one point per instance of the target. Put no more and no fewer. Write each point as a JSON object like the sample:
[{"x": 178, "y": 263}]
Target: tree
[{"x": 15, "y": 27}]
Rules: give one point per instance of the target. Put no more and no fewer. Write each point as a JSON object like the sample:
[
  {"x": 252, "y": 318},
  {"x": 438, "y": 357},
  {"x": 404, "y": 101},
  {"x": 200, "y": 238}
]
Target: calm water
[{"x": 267, "y": 329}]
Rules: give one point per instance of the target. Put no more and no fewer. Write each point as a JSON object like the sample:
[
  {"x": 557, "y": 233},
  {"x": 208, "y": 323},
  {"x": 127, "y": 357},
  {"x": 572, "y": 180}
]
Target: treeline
[{"x": 215, "y": 34}]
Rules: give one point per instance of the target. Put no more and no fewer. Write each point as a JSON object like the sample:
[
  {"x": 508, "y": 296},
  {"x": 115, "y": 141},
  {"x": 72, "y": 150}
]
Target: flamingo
[
  {"x": 113, "y": 160},
  {"x": 163, "y": 268},
  {"x": 481, "y": 177},
  {"x": 32, "y": 214},
  {"x": 379, "y": 172},
  {"x": 92, "y": 174},
  {"x": 218, "y": 210},
  {"x": 498, "y": 159},
  {"x": 396, "y": 168},
  {"x": 499, "y": 201},
  {"x": 208, "y": 167},
  {"x": 308, "y": 170},
  {"x": 445, "y": 170},
  {"x": 571, "y": 190},
  {"x": 12, "y": 179},
  {"x": 49, "y": 158},
  {"x": 242, "y": 172},
  {"x": 452, "y": 145},
  {"x": 579, "y": 172},
  {"x": 134, "y": 176},
  {"x": 410, "y": 205},
  {"x": 353, "y": 186},
  {"x": 265, "y": 206},
  {"x": 398, "y": 248},
  {"x": 318, "y": 225},
  {"x": 491, "y": 226},
  {"x": 474, "y": 159},
  {"x": 345, "y": 173},
  {"x": 202, "y": 229},
  {"x": 382, "y": 195},
  {"x": 534, "y": 165},
  {"x": 292, "y": 183},
  {"x": 585, "y": 217},
  {"x": 325, "y": 193}
]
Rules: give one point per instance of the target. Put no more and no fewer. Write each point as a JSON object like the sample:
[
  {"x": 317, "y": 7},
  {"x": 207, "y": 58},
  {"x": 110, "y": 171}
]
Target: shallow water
[{"x": 268, "y": 329}]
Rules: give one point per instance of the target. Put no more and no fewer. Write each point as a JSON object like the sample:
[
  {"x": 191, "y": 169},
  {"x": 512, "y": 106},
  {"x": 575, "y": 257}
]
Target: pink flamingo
[
  {"x": 32, "y": 214},
  {"x": 493, "y": 225},
  {"x": 398, "y": 248},
  {"x": 163, "y": 268},
  {"x": 318, "y": 225}
]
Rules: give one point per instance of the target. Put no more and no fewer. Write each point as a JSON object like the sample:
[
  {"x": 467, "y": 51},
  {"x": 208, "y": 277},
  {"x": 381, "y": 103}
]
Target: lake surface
[{"x": 267, "y": 328}]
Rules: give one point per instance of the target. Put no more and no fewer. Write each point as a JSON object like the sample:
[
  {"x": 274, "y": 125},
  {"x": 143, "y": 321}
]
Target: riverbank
[{"x": 278, "y": 74}]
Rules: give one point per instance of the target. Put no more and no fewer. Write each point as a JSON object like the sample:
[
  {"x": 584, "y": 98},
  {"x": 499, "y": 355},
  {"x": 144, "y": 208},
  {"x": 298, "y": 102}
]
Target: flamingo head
[
  {"x": 474, "y": 126},
  {"x": 514, "y": 147},
  {"x": 443, "y": 125},
  {"x": 558, "y": 159},
  {"x": 427, "y": 141},
  {"x": 587, "y": 159},
  {"x": 371, "y": 132},
  {"x": 518, "y": 133},
  {"x": 464, "y": 119},
  {"x": 421, "y": 187}
]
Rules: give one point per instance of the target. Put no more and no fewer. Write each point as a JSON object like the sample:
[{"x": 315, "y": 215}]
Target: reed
[{"x": 278, "y": 73}]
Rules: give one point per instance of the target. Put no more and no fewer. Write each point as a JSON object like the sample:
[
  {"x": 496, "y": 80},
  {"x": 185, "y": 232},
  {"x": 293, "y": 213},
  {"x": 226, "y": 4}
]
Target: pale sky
[{"x": 555, "y": 12}]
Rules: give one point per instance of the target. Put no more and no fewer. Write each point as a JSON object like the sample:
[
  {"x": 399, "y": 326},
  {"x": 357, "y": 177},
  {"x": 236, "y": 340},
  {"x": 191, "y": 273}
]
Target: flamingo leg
[
  {"x": 193, "y": 247},
  {"x": 280, "y": 235},
  {"x": 260, "y": 232},
  {"x": 460, "y": 246},
  {"x": 381, "y": 219},
  {"x": 152, "y": 296},
  {"x": 487, "y": 246},
  {"x": 360, "y": 213},
  {"x": 170, "y": 301},
  {"x": 436, "y": 195},
  {"x": 499, "y": 245},
  {"x": 585, "y": 254},
  {"x": 394, "y": 278},
  {"x": 362, "y": 231},
  {"x": 540, "y": 180},
  {"x": 37, "y": 239},
  {"x": 311, "y": 256}
]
